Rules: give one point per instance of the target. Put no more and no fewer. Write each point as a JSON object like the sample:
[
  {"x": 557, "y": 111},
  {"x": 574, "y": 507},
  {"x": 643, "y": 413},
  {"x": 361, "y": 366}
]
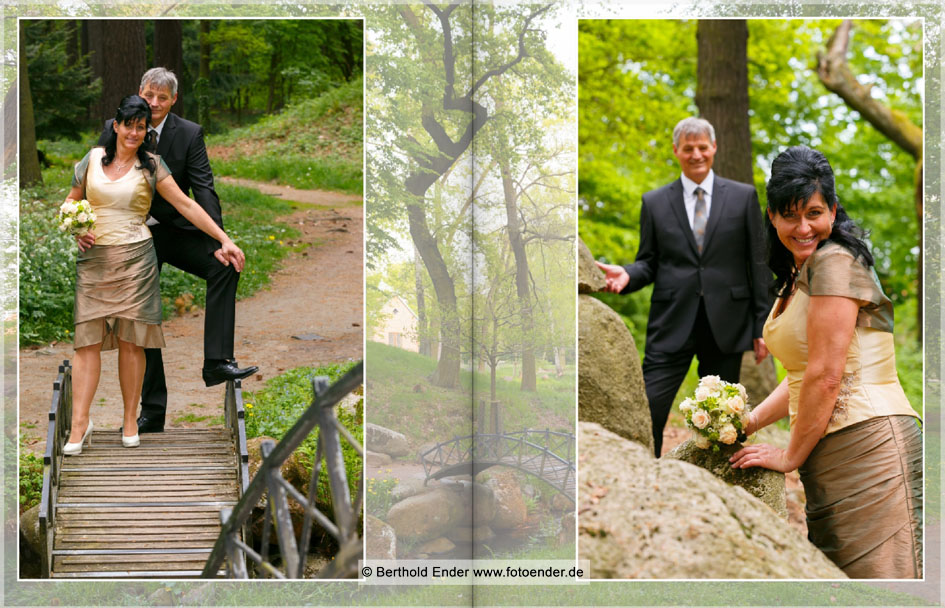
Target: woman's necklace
[{"x": 121, "y": 166}]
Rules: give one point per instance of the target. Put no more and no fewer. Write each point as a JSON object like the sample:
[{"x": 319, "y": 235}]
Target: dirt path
[{"x": 317, "y": 295}]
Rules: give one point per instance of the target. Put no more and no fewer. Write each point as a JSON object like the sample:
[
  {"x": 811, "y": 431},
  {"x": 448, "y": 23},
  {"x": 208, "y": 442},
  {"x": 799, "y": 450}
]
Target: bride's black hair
[
  {"x": 131, "y": 109},
  {"x": 796, "y": 175}
]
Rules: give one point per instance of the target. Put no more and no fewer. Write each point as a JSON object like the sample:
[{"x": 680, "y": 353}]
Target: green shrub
[{"x": 31, "y": 479}]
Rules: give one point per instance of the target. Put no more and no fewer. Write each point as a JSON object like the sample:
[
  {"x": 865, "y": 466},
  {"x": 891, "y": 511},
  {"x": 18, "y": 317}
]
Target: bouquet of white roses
[
  {"x": 717, "y": 413},
  {"x": 76, "y": 217}
]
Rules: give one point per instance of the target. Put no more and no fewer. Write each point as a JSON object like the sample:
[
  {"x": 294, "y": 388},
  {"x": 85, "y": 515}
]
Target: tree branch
[{"x": 835, "y": 74}]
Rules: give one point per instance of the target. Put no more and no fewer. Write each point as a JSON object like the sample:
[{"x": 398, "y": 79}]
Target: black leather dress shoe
[
  {"x": 226, "y": 370},
  {"x": 150, "y": 425}
]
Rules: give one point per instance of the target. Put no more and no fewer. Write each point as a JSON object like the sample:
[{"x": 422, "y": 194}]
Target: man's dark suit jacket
[
  {"x": 182, "y": 147},
  {"x": 731, "y": 274}
]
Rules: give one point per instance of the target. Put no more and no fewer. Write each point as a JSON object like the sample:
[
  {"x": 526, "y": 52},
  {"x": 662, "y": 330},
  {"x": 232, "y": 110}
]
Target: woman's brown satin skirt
[
  {"x": 118, "y": 296},
  {"x": 863, "y": 485}
]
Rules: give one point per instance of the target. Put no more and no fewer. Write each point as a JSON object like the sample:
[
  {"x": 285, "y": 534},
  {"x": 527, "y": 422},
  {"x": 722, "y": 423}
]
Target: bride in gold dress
[
  {"x": 117, "y": 298},
  {"x": 855, "y": 439}
]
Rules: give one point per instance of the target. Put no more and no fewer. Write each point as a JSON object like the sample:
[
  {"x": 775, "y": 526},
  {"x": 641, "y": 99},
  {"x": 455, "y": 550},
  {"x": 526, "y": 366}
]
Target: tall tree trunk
[
  {"x": 72, "y": 43},
  {"x": 169, "y": 53},
  {"x": 124, "y": 49},
  {"x": 722, "y": 93},
  {"x": 447, "y": 367},
  {"x": 274, "y": 62},
  {"x": 423, "y": 331},
  {"x": 514, "y": 229},
  {"x": 30, "y": 172},
  {"x": 95, "y": 35},
  {"x": 205, "y": 49}
]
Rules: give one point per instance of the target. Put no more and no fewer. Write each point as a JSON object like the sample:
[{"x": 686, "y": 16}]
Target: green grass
[
  {"x": 314, "y": 144},
  {"x": 47, "y": 256},
  {"x": 400, "y": 391},
  {"x": 298, "y": 171}
]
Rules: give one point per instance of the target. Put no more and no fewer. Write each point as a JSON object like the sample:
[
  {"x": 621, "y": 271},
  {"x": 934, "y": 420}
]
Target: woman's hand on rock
[{"x": 762, "y": 455}]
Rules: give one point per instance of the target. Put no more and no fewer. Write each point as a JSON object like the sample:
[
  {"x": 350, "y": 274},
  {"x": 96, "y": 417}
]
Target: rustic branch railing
[
  {"x": 545, "y": 454},
  {"x": 269, "y": 479},
  {"x": 60, "y": 423}
]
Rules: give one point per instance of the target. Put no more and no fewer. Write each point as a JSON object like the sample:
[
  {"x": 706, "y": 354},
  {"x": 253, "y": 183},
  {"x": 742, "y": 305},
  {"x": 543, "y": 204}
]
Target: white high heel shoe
[
  {"x": 74, "y": 449},
  {"x": 131, "y": 442}
]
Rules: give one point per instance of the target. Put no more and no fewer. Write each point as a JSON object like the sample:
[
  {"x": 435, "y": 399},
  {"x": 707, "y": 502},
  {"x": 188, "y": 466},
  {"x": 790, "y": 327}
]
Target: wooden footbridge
[
  {"x": 179, "y": 503},
  {"x": 548, "y": 455}
]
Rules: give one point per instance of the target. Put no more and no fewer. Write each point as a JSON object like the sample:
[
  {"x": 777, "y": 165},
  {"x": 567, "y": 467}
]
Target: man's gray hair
[
  {"x": 160, "y": 78},
  {"x": 693, "y": 126}
]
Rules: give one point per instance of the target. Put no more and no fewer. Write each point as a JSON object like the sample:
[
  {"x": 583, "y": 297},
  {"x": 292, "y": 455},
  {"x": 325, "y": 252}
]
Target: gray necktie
[
  {"x": 699, "y": 219},
  {"x": 154, "y": 136}
]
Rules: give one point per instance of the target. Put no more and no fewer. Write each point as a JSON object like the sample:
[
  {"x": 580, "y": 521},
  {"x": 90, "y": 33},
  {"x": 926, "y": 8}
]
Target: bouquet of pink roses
[{"x": 717, "y": 413}]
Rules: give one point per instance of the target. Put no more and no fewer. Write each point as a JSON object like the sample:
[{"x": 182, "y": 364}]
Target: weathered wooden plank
[
  {"x": 169, "y": 530},
  {"x": 137, "y": 489},
  {"x": 147, "y": 511}
]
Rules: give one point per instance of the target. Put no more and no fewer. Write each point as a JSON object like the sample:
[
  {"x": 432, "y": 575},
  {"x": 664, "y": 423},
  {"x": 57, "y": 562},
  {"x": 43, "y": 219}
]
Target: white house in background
[{"x": 400, "y": 325}]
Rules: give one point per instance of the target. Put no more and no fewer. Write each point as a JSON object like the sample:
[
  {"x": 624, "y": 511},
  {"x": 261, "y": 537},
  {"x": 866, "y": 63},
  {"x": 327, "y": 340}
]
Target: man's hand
[
  {"x": 228, "y": 254},
  {"x": 85, "y": 241},
  {"x": 761, "y": 350},
  {"x": 617, "y": 277}
]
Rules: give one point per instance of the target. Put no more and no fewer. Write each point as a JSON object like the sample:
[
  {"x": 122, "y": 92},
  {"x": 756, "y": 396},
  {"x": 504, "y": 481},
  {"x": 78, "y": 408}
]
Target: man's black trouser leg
[
  {"x": 663, "y": 373},
  {"x": 189, "y": 251}
]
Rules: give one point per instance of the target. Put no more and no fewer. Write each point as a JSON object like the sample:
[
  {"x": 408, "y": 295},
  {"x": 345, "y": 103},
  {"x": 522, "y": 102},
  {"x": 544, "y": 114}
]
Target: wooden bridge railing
[
  {"x": 60, "y": 423},
  {"x": 344, "y": 529}
]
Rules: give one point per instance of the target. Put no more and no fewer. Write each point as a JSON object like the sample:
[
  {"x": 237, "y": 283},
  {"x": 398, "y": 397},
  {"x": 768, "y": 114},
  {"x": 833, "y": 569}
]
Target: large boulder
[
  {"x": 32, "y": 544},
  {"x": 759, "y": 380},
  {"x": 764, "y": 484},
  {"x": 481, "y": 504},
  {"x": 610, "y": 379},
  {"x": 471, "y": 534},
  {"x": 385, "y": 441},
  {"x": 646, "y": 518},
  {"x": 590, "y": 278},
  {"x": 427, "y": 516},
  {"x": 380, "y": 540},
  {"x": 510, "y": 509}
]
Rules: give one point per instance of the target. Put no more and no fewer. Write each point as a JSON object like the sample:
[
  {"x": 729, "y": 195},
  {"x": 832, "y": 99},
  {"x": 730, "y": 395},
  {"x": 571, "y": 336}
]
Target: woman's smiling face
[
  {"x": 131, "y": 133},
  {"x": 803, "y": 227}
]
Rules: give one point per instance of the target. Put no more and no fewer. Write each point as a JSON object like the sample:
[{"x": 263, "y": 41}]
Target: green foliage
[
  {"x": 47, "y": 256},
  {"x": 275, "y": 409},
  {"x": 379, "y": 500},
  {"x": 47, "y": 263},
  {"x": 61, "y": 92},
  {"x": 315, "y": 143},
  {"x": 31, "y": 479},
  {"x": 264, "y": 65}
]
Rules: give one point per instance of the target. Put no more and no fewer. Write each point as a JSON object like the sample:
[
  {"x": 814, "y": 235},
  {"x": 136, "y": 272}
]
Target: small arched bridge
[{"x": 548, "y": 455}]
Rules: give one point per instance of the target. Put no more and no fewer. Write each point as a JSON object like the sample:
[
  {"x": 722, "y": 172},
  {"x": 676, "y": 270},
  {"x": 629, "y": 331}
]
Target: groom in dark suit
[
  {"x": 177, "y": 242},
  {"x": 702, "y": 246}
]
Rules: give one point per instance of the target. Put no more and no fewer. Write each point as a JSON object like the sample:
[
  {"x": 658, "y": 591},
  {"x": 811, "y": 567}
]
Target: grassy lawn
[
  {"x": 401, "y": 397},
  {"x": 315, "y": 144}
]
